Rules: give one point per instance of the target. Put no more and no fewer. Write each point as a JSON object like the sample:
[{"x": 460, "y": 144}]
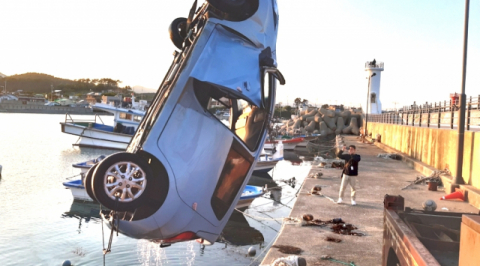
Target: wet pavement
[{"x": 377, "y": 177}]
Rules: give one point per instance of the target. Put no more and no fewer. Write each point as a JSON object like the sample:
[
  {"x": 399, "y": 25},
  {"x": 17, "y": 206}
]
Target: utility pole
[{"x": 458, "y": 179}]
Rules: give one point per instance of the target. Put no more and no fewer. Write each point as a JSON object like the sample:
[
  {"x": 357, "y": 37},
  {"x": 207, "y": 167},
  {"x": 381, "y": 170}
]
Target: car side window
[{"x": 241, "y": 117}]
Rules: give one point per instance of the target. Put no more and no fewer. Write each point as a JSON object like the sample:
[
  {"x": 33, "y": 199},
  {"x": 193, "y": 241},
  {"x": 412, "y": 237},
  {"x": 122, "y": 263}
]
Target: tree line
[{"x": 36, "y": 83}]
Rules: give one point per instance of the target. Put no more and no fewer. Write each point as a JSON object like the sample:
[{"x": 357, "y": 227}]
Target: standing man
[{"x": 350, "y": 171}]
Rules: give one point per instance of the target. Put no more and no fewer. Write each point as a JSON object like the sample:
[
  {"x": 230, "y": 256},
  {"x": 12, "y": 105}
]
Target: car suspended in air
[{"x": 184, "y": 170}]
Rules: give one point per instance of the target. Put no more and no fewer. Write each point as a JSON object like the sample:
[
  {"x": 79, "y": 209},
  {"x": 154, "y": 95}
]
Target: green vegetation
[{"x": 35, "y": 83}]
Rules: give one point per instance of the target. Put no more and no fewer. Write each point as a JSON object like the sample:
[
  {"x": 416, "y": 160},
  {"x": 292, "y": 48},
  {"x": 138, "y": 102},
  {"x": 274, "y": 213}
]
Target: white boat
[
  {"x": 94, "y": 133},
  {"x": 288, "y": 144},
  {"x": 266, "y": 162}
]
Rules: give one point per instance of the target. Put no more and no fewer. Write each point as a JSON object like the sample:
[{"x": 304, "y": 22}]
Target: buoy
[
  {"x": 252, "y": 251},
  {"x": 429, "y": 205},
  {"x": 66, "y": 263}
]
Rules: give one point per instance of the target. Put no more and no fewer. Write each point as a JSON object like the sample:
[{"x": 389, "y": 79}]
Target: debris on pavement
[
  {"x": 286, "y": 249},
  {"x": 307, "y": 217},
  {"x": 290, "y": 261},
  {"x": 338, "y": 164},
  {"x": 316, "y": 175},
  {"x": 332, "y": 239},
  {"x": 392, "y": 156},
  {"x": 316, "y": 190},
  {"x": 345, "y": 229},
  {"x": 326, "y": 257},
  {"x": 434, "y": 177}
]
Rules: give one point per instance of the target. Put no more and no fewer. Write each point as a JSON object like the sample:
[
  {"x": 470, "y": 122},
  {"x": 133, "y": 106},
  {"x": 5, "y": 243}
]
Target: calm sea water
[{"x": 40, "y": 224}]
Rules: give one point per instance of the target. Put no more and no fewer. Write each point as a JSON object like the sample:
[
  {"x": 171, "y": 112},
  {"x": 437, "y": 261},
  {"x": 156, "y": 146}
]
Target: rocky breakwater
[{"x": 324, "y": 121}]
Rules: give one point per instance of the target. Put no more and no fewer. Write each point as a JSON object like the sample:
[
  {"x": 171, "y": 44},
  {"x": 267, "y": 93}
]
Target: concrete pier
[{"x": 377, "y": 177}]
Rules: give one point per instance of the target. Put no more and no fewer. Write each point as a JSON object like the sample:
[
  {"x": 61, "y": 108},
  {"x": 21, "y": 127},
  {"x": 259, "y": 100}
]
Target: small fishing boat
[
  {"x": 288, "y": 144},
  {"x": 84, "y": 166},
  {"x": 248, "y": 194},
  {"x": 96, "y": 134},
  {"x": 266, "y": 162}
]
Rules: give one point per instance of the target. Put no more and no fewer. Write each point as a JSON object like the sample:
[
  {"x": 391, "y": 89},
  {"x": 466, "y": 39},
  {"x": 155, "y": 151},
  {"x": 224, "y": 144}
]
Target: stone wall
[{"x": 433, "y": 146}]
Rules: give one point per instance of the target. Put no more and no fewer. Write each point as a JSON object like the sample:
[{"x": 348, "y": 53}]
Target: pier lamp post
[
  {"x": 366, "y": 108},
  {"x": 458, "y": 179}
]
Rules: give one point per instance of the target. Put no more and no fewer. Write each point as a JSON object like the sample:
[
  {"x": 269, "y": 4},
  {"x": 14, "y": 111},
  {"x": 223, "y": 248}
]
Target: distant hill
[{"x": 42, "y": 83}]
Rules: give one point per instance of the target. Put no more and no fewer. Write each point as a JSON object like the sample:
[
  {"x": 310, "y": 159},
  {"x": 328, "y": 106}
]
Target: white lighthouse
[{"x": 374, "y": 70}]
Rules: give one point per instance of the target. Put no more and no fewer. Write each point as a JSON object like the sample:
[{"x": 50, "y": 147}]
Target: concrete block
[
  {"x": 469, "y": 240},
  {"x": 472, "y": 195}
]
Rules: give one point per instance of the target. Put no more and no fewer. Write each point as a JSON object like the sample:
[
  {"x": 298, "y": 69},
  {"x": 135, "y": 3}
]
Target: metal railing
[
  {"x": 441, "y": 115},
  {"x": 69, "y": 119}
]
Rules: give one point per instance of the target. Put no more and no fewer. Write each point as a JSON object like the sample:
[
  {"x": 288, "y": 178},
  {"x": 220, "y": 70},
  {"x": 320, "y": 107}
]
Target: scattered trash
[
  {"x": 326, "y": 257},
  {"x": 336, "y": 220},
  {"x": 332, "y": 239},
  {"x": 316, "y": 190},
  {"x": 251, "y": 251},
  {"x": 307, "y": 217},
  {"x": 429, "y": 205},
  {"x": 458, "y": 194},
  {"x": 434, "y": 177},
  {"x": 444, "y": 209},
  {"x": 338, "y": 164},
  {"x": 291, "y": 182},
  {"x": 316, "y": 175},
  {"x": 316, "y": 222},
  {"x": 345, "y": 229},
  {"x": 285, "y": 249},
  {"x": 393, "y": 156},
  {"x": 290, "y": 261}
]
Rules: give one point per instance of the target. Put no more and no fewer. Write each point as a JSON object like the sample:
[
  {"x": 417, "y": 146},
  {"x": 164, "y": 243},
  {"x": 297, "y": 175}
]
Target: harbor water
[{"x": 41, "y": 224}]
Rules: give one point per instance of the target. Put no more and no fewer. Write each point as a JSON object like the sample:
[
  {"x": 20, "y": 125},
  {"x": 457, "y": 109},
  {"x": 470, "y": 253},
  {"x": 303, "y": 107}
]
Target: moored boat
[
  {"x": 79, "y": 192},
  {"x": 95, "y": 133},
  {"x": 288, "y": 144}
]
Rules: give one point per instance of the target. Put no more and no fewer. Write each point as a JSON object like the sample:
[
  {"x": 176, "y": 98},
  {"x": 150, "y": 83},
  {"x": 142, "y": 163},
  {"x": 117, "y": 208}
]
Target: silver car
[{"x": 184, "y": 170}]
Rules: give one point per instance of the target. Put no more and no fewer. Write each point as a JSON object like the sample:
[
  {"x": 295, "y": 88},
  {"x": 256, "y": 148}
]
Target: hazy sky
[{"x": 321, "y": 48}]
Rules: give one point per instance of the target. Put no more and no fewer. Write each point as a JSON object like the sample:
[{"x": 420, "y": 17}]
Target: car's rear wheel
[
  {"x": 87, "y": 182},
  {"x": 121, "y": 181},
  {"x": 178, "y": 31},
  {"x": 236, "y": 9}
]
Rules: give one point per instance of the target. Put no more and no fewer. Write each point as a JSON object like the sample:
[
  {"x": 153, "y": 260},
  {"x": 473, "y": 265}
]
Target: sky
[{"x": 322, "y": 45}]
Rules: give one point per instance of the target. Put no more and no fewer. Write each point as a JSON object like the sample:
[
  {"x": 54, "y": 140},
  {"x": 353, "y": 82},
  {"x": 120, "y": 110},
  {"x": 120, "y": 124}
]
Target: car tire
[
  {"x": 178, "y": 31},
  {"x": 123, "y": 175},
  {"x": 236, "y": 9},
  {"x": 87, "y": 182}
]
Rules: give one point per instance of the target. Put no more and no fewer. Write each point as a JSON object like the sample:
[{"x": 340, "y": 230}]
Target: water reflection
[
  {"x": 84, "y": 211},
  {"x": 238, "y": 231}
]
